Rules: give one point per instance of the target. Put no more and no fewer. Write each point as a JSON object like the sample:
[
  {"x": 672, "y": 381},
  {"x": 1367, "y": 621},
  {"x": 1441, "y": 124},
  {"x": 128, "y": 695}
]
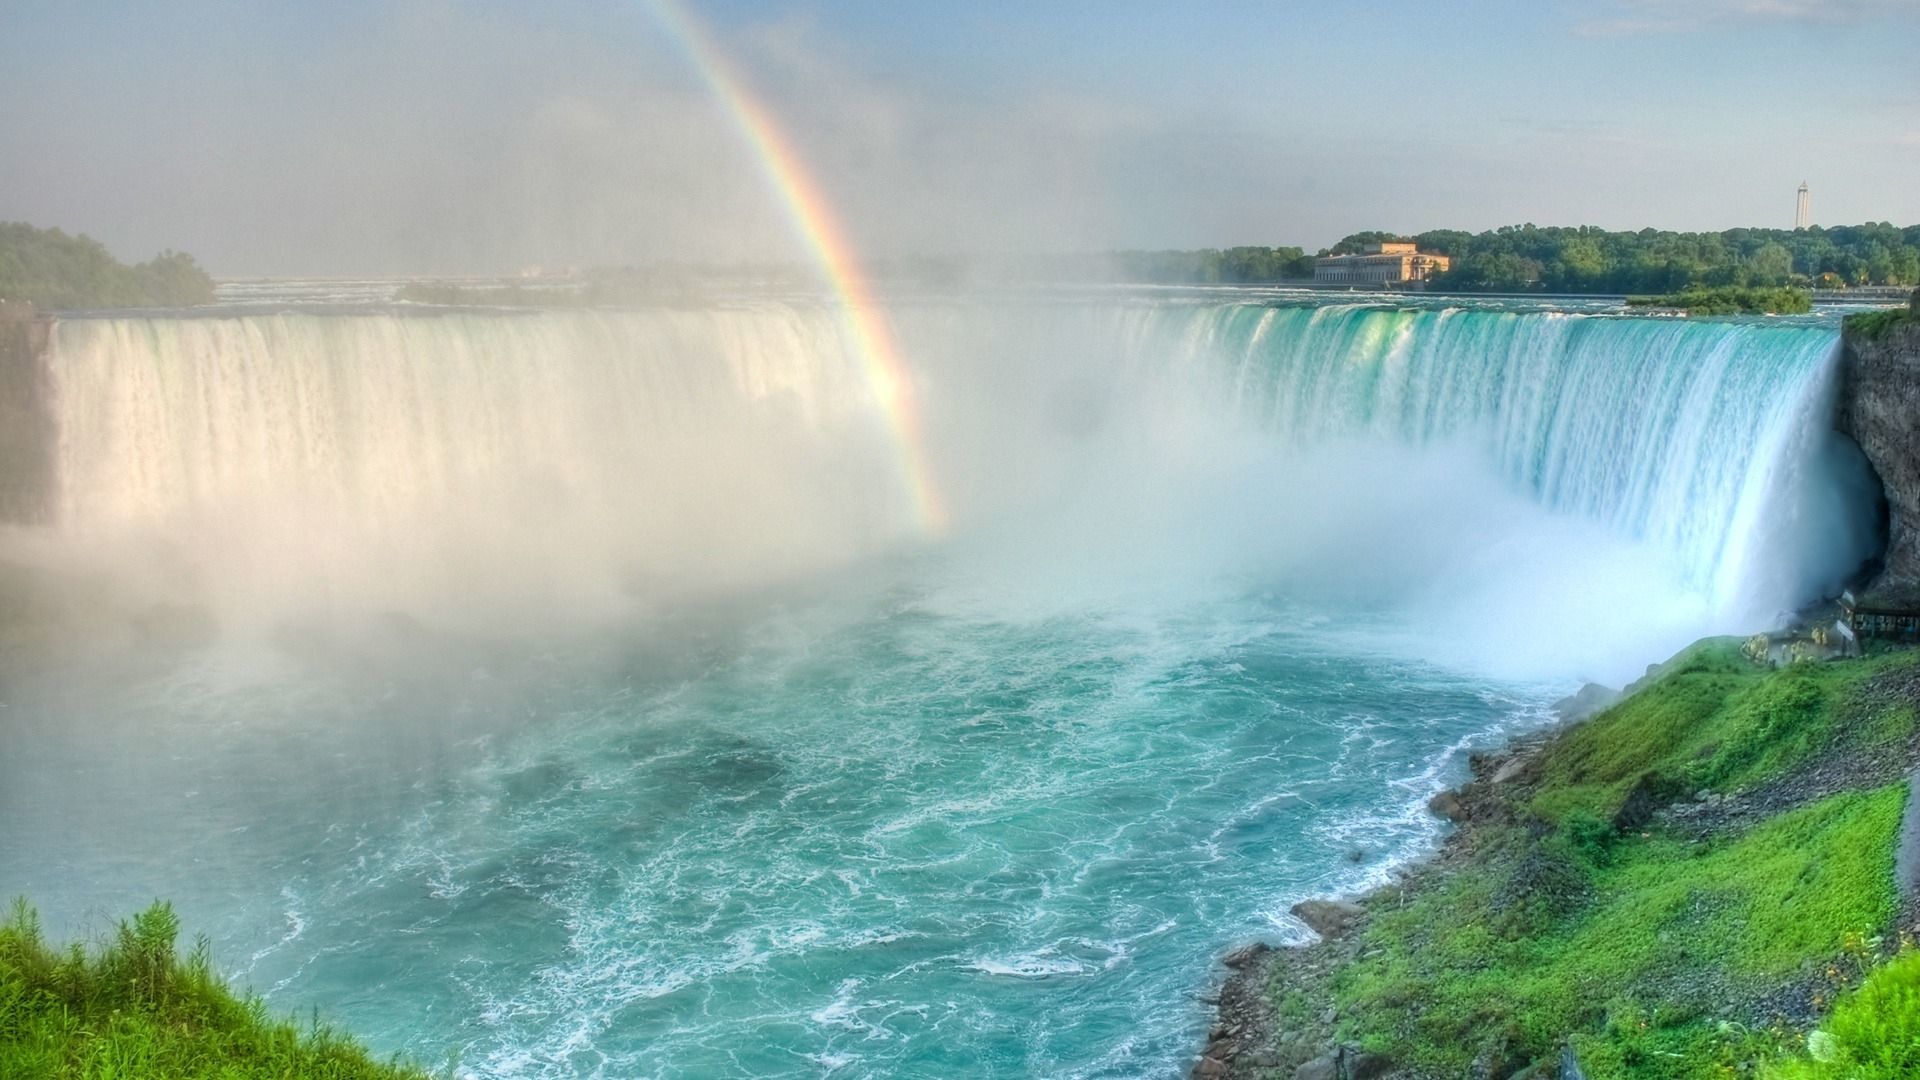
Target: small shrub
[
  {"x": 1872, "y": 1033},
  {"x": 1589, "y": 837}
]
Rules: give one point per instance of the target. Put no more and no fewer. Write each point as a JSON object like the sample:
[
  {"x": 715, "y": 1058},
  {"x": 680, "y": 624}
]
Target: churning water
[{"x": 572, "y": 692}]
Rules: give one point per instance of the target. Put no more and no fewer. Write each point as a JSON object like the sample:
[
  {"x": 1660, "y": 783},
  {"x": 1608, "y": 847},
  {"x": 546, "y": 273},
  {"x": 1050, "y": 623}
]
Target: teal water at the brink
[{"x": 572, "y": 692}]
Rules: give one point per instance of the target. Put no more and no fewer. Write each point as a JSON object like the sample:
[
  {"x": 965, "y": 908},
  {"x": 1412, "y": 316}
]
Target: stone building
[{"x": 1379, "y": 264}]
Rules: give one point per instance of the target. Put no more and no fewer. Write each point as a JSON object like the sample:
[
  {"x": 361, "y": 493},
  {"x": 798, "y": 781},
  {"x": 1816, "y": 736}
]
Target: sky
[{"x": 431, "y": 136}]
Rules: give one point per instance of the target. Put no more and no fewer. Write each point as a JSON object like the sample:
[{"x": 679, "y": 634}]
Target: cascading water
[
  {"x": 691, "y": 757},
  {"x": 1681, "y": 433},
  {"x": 391, "y": 460}
]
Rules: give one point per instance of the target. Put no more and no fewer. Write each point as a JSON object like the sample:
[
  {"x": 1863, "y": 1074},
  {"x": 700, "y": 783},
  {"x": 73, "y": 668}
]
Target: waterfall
[
  {"x": 398, "y": 459},
  {"x": 1708, "y": 440},
  {"x": 420, "y": 460}
]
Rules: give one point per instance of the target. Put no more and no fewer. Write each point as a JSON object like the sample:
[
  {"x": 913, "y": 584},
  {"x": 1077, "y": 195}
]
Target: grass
[
  {"x": 1873, "y": 325},
  {"x": 134, "y": 1009},
  {"x": 1712, "y": 722},
  {"x": 1647, "y": 944},
  {"x": 1873, "y": 1033},
  {"x": 1652, "y": 952}
]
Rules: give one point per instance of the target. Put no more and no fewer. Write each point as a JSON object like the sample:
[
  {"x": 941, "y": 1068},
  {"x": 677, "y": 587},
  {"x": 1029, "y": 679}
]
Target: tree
[{"x": 50, "y": 269}]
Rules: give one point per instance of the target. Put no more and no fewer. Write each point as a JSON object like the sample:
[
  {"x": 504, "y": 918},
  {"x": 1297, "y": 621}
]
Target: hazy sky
[{"x": 427, "y": 135}]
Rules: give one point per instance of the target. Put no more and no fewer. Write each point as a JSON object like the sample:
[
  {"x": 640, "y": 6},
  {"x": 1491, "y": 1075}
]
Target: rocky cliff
[
  {"x": 26, "y": 428},
  {"x": 1879, "y": 407}
]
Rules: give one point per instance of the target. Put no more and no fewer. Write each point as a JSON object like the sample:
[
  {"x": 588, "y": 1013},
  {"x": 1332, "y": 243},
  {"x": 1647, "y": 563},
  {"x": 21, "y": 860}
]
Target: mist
[{"x": 517, "y": 476}]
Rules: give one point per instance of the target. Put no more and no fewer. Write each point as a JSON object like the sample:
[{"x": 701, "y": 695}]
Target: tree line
[
  {"x": 55, "y": 271},
  {"x": 1583, "y": 259}
]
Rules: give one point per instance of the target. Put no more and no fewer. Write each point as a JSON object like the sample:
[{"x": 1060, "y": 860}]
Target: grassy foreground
[
  {"x": 1681, "y": 887},
  {"x": 134, "y": 1009}
]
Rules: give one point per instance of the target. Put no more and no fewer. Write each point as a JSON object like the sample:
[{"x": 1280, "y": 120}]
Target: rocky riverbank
[{"x": 1678, "y": 887}]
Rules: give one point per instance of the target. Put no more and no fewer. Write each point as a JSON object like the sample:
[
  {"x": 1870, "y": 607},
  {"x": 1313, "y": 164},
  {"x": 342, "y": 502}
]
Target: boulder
[
  {"x": 1345, "y": 1063},
  {"x": 1325, "y": 1067},
  {"x": 1364, "y": 1066},
  {"x": 1513, "y": 768},
  {"x": 1449, "y": 805},
  {"x": 1590, "y": 700},
  {"x": 1329, "y": 918},
  {"x": 1246, "y": 954}
]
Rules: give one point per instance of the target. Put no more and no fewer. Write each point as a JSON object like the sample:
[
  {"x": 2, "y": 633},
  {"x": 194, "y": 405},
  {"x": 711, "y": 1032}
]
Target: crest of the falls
[{"x": 470, "y": 462}]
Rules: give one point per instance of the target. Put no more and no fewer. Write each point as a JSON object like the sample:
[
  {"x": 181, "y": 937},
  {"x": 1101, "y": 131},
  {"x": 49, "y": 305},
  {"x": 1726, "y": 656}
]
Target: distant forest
[
  {"x": 54, "y": 271},
  {"x": 1520, "y": 258}
]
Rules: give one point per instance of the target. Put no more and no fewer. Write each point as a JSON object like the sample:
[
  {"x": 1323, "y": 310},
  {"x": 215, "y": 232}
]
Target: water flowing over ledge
[
  {"x": 364, "y": 450},
  {"x": 1222, "y": 608}
]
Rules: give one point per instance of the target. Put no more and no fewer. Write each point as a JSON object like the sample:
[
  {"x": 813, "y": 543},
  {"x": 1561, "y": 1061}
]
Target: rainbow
[{"x": 813, "y": 220}]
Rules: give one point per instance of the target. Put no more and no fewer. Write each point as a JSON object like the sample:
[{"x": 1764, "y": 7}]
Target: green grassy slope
[
  {"x": 134, "y": 1009},
  {"x": 1655, "y": 946}
]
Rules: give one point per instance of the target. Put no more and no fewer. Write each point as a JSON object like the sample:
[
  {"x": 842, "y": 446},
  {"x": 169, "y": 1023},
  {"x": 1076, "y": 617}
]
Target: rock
[
  {"x": 1570, "y": 1065},
  {"x": 1590, "y": 700},
  {"x": 1906, "y": 856},
  {"x": 1497, "y": 1061},
  {"x": 1649, "y": 794},
  {"x": 1246, "y": 954},
  {"x": 1364, "y": 1066},
  {"x": 1210, "y": 1066},
  {"x": 1878, "y": 398},
  {"x": 1329, "y": 918},
  {"x": 1325, "y": 1067},
  {"x": 1448, "y": 805},
  {"x": 28, "y": 436},
  {"x": 1264, "y": 1059},
  {"x": 1345, "y": 1063},
  {"x": 1512, "y": 768}
]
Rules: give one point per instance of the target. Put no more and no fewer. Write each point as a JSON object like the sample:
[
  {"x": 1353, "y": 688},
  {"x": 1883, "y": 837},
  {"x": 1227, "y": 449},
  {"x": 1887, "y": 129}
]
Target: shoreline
[
  {"x": 1278, "y": 1011},
  {"x": 1242, "y": 1040}
]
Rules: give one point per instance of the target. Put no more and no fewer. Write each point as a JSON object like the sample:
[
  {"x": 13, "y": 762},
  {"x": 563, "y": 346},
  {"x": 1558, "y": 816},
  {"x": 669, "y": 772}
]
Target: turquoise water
[
  {"x": 566, "y": 693},
  {"x": 885, "y": 834}
]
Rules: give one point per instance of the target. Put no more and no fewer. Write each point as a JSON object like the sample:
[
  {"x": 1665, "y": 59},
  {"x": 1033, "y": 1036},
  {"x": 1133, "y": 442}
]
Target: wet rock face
[
  {"x": 1879, "y": 408},
  {"x": 26, "y": 426},
  {"x": 1329, "y": 918}
]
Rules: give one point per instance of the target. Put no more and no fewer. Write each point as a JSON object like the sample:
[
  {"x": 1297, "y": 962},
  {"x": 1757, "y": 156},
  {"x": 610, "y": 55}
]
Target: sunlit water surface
[{"x": 902, "y": 829}]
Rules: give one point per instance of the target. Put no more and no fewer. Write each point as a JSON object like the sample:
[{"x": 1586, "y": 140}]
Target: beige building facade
[{"x": 1379, "y": 264}]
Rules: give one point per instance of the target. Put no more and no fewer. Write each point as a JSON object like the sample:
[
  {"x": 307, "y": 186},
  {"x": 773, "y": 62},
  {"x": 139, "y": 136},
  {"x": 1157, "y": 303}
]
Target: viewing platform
[{"x": 1890, "y": 618}]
